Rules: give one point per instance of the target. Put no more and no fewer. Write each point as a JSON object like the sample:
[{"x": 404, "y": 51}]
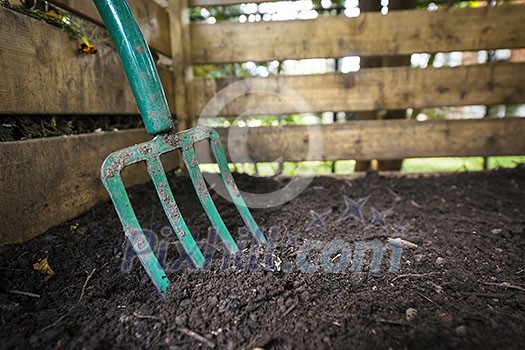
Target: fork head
[{"x": 150, "y": 153}]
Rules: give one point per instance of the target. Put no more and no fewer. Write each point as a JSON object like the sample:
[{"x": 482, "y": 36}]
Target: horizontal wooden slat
[
  {"x": 398, "y": 33},
  {"x": 168, "y": 84},
  {"x": 45, "y": 182},
  {"x": 375, "y": 139},
  {"x": 152, "y": 19},
  {"x": 43, "y": 72},
  {"x": 194, "y": 3},
  {"x": 368, "y": 89},
  {"x": 231, "y": 2}
]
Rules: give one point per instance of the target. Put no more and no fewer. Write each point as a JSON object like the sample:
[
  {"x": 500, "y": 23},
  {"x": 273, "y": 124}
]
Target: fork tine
[
  {"x": 156, "y": 172},
  {"x": 233, "y": 190},
  {"x": 133, "y": 230},
  {"x": 190, "y": 159}
]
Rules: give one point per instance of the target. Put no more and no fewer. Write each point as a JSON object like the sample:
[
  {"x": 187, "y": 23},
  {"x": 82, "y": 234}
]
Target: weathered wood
[
  {"x": 378, "y": 139},
  {"x": 368, "y": 89},
  {"x": 180, "y": 54},
  {"x": 43, "y": 72},
  {"x": 368, "y": 62},
  {"x": 46, "y": 182},
  {"x": 168, "y": 84},
  {"x": 398, "y": 33},
  {"x": 395, "y": 61},
  {"x": 152, "y": 19},
  {"x": 195, "y": 3}
]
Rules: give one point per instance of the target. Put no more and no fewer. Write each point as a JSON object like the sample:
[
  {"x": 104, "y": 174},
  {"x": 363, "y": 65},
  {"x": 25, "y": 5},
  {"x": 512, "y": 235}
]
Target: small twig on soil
[
  {"x": 85, "y": 285},
  {"x": 395, "y": 323},
  {"x": 427, "y": 298},
  {"x": 415, "y": 204},
  {"x": 27, "y": 294},
  {"x": 401, "y": 242},
  {"x": 197, "y": 337},
  {"x": 397, "y": 198},
  {"x": 413, "y": 275},
  {"x": 506, "y": 285},
  {"x": 148, "y": 317},
  {"x": 56, "y": 322},
  {"x": 290, "y": 309}
]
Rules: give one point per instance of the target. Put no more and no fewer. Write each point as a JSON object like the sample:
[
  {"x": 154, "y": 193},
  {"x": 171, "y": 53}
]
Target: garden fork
[{"x": 145, "y": 84}]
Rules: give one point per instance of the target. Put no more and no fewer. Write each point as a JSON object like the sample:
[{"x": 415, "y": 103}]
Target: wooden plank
[
  {"x": 152, "y": 19},
  {"x": 43, "y": 73},
  {"x": 168, "y": 84},
  {"x": 46, "y": 182},
  {"x": 378, "y": 139},
  {"x": 398, "y": 33},
  {"x": 182, "y": 70},
  {"x": 195, "y": 3},
  {"x": 368, "y": 89}
]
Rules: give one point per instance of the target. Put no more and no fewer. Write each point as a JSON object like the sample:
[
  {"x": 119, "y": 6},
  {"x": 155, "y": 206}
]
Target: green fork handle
[{"x": 138, "y": 64}]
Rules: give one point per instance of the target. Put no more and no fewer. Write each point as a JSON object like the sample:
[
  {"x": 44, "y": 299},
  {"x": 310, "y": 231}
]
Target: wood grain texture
[
  {"x": 182, "y": 70},
  {"x": 43, "y": 73},
  {"x": 46, "y": 182},
  {"x": 152, "y": 19},
  {"x": 398, "y": 33},
  {"x": 195, "y": 3},
  {"x": 377, "y": 139},
  {"x": 368, "y": 89},
  {"x": 168, "y": 84}
]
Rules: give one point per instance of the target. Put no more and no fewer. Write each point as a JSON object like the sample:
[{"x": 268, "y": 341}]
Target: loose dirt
[{"x": 462, "y": 286}]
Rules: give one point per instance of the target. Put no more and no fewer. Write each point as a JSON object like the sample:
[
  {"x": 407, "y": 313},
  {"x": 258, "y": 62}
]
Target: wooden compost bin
[{"x": 48, "y": 181}]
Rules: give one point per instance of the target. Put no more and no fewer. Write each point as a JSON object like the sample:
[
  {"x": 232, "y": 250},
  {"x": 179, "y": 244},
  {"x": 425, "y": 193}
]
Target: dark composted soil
[
  {"x": 14, "y": 128},
  {"x": 465, "y": 279}
]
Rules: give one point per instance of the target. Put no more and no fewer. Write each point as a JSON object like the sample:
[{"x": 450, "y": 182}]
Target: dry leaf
[{"x": 43, "y": 266}]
